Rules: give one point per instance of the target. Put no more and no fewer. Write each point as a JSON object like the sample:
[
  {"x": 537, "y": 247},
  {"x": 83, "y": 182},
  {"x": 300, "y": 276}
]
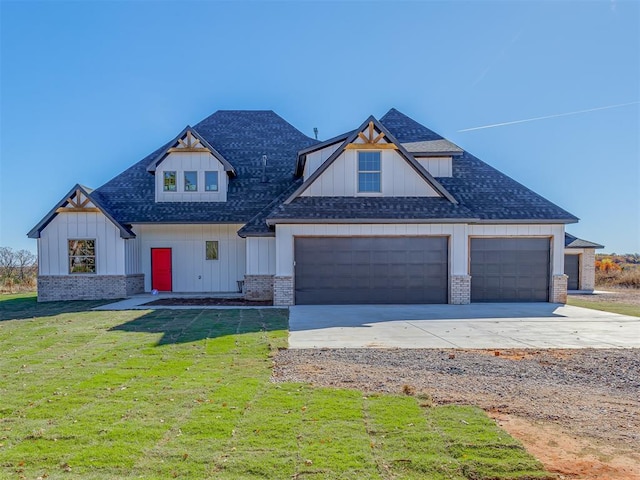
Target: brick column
[
  {"x": 258, "y": 287},
  {"x": 460, "y": 288},
  {"x": 283, "y": 294},
  {"x": 588, "y": 269},
  {"x": 559, "y": 289}
]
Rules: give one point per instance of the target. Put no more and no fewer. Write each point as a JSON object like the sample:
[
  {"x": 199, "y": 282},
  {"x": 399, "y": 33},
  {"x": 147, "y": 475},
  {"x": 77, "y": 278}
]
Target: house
[
  {"x": 390, "y": 212},
  {"x": 580, "y": 263}
]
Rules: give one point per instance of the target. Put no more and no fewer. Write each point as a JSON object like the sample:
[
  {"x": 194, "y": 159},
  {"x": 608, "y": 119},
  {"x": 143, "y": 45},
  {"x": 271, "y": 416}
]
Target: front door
[{"x": 161, "y": 269}]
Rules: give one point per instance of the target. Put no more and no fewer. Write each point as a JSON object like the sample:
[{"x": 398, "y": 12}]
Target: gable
[
  {"x": 79, "y": 200},
  {"x": 398, "y": 179},
  {"x": 371, "y": 136},
  {"x": 189, "y": 141}
]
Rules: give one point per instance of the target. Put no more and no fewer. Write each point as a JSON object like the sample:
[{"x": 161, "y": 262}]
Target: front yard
[{"x": 187, "y": 394}]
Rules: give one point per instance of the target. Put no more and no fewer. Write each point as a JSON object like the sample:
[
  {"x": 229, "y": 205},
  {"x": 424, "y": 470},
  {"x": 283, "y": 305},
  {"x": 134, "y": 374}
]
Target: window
[
  {"x": 170, "y": 181},
  {"x": 211, "y": 181},
  {"x": 190, "y": 181},
  {"x": 82, "y": 256},
  {"x": 369, "y": 172},
  {"x": 211, "y": 249}
]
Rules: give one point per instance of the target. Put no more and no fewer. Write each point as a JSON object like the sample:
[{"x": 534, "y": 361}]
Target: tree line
[{"x": 18, "y": 269}]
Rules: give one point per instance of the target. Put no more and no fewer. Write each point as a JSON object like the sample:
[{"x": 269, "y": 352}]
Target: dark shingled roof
[
  {"x": 370, "y": 208},
  {"x": 483, "y": 193},
  {"x": 242, "y": 137},
  {"x": 406, "y": 129},
  {"x": 574, "y": 242}
]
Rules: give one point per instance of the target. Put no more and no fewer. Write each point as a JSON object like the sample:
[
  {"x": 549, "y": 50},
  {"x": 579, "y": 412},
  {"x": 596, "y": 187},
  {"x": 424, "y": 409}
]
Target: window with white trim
[
  {"x": 369, "y": 172},
  {"x": 82, "y": 256}
]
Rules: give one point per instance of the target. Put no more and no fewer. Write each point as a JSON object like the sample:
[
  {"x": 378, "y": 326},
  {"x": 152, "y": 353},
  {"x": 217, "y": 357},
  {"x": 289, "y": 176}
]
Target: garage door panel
[
  {"x": 510, "y": 269},
  {"x": 572, "y": 270},
  {"x": 371, "y": 270}
]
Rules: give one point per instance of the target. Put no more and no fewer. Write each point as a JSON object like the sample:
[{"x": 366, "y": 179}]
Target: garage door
[
  {"x": 572, "y": 269},
  {"x": 510, "y": 269},
  {"x": 371, "y": 270}
]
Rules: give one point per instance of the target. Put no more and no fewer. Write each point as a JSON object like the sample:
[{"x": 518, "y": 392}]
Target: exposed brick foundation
[
  {"x": 88, "y": 287},
  {"x": 283, "y": 293},
  {"x": 460, "y": 288},
  {"x": 559, "y": 289},
  {"x": 134, "y": 284},
  {"x": 258, "y": 287}
]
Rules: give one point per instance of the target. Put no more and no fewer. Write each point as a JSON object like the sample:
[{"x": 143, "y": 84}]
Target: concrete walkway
[{"x": 519, "y": 325}]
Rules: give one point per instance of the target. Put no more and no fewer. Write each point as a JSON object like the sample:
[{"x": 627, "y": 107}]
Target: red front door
[{"x": 161, "y": 269}]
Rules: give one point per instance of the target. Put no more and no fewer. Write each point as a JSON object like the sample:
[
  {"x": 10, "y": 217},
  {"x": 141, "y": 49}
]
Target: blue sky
[{"x": 89, "y": 88}]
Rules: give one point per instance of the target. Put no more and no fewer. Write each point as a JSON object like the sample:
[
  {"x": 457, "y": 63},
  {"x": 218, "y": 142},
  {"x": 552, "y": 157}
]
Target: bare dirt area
[
  {"x": 578, "y": 411},
  {"x": 629, "y": 296}
]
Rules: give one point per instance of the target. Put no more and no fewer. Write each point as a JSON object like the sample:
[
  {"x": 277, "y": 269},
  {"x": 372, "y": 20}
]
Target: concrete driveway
[{"x": 498, "y": 325}]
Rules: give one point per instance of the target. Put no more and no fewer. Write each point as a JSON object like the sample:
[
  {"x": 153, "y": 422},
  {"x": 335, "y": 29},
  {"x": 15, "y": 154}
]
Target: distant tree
[
  {"x": 24, "y": 260},
  {"x": 7, "y": 262}
]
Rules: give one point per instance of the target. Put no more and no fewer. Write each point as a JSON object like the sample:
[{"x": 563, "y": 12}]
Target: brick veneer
[
  {"x": 559, "y": 289},
  {"x": 587, "y": 269},
  {"x": 460, "y": 287},
  {"x": 88, "y": 287},
  {"x": 283, "y": 294},
  {"x": 258, "y": 287}
]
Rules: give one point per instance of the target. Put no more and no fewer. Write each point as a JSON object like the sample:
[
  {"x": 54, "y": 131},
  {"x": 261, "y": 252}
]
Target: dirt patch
[
  {"x": 578, "y": 411},
  {"x": 629, "y": 296},
  {"x": 208, "y": 302},
  {"x": 569, "y": 456}
]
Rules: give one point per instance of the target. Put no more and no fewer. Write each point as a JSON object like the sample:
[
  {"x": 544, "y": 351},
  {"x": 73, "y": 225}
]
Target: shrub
[{"x": 628, "y": 277}]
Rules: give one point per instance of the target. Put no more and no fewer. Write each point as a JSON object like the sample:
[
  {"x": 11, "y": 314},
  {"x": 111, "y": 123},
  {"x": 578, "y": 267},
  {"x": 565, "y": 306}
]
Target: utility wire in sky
[{"x": 550, "y": 116}]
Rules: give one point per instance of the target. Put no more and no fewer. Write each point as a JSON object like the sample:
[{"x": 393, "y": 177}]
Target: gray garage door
[
  {"x": 371, "y": 270},
  {"x": 509, "y": 269},
  {"x": 572, "y": 269}
]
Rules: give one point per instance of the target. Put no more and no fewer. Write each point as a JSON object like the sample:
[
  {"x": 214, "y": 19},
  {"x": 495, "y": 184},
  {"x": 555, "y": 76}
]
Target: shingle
[
  {"x": 242, "y": 137},
  {"x": 432, "y": 146},
  {"x": 406, "y": 129},
  {"x": 571, "y": 241},
  {"x": 359, "y": 208}
]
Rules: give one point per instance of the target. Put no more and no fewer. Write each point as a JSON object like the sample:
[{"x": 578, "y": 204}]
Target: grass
[
  {"x": 186, "y": 394},
  {"x": 613, "y": 307}
]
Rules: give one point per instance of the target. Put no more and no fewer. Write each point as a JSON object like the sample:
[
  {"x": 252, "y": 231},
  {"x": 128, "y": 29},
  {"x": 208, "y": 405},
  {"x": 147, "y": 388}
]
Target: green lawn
[
  {"x": 613, "y": 307},
  {"x": 186, "y": 394}
]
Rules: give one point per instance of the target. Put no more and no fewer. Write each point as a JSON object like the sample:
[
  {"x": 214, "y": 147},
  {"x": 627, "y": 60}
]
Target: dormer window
[
  {"x": 170, "y": 183},
  {"x": 211, "y": 181},
  {"x": 190, "y": 181},
  {"x": 369, "y": 172}
]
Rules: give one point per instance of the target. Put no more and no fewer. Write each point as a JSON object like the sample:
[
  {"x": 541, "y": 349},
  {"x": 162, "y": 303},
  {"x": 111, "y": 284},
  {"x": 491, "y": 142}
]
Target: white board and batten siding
[
  {"x": 458, "y": 239},
  {"x": 191, "y": 272},
  {"x": 200, "y": 162},
  {"x": 437, "y": 166},
  {"x": 398, "y": 178},
  {"x": 53, "y": 244},
  {"x": 317, "y": 158},
  {"x": 133, "y": 262},
  {"x": 261, "y": 255}
]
